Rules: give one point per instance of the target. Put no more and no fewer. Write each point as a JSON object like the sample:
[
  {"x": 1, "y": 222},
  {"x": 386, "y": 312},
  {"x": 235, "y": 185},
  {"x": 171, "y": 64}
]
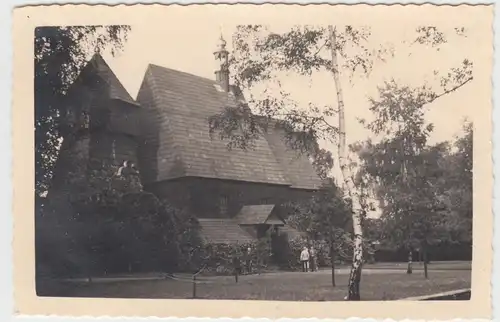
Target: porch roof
[
  {"x": 257, "y": 214},
  {"x": 223, "y": 230}
]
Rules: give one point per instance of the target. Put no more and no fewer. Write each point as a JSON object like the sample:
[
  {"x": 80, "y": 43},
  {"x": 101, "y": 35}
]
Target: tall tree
[
  {"x": 399, "y": 113},
  {"x": 402, "y": 162},
  {"x": 259, "y": 56},
  {"x": 325, "y": 217},
  {"x": 60, "y": 53},
  {"x": 354, "y": 194},
  {"x": 457, "y": 187}
]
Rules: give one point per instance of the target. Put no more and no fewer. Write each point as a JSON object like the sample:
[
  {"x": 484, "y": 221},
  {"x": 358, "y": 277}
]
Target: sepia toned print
[{"x": 278, "y": 165}]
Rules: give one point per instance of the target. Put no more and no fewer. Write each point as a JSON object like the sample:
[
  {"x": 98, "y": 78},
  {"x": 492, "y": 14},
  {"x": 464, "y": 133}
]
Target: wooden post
[
  {"x": 426, "y": 261},
  {"x": 332, "y": 260},
  {"x": 194, "y": 286}
]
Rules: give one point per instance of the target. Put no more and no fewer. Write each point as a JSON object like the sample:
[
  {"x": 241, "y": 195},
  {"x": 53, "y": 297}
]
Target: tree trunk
[
  {"x": 357, "y": 259},
  {"x": 410, "y": 257},
  {"x": 332, "y": 260},
  {"x": 426, "y": 273}
]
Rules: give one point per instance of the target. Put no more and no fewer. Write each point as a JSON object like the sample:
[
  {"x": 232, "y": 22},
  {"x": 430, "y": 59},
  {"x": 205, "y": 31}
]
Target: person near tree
[
  {"x": 304, "y": 259},
  {"x": 248, "y": 260},
  {"x": 314, "y": 259}
]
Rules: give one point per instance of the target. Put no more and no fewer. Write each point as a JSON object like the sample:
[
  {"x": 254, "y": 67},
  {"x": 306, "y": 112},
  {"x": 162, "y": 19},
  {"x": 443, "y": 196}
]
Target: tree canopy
[{"x": 261, "y": 56}]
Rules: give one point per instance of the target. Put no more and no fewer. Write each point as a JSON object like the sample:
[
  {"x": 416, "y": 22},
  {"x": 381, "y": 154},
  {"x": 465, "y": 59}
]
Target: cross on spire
[{"x": 222, "y": 44}]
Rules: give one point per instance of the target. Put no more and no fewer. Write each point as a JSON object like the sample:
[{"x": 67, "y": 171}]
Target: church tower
[
  {"x": 222, "y": 60},
  {"x": 101, "y": 133}
]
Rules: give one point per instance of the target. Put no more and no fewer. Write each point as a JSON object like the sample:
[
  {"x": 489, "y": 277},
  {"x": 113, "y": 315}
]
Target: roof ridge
[
  {"x": 93, "y": 64},
  {"x": 243, "y": 214},
  {"x": 182, "y": 72}
]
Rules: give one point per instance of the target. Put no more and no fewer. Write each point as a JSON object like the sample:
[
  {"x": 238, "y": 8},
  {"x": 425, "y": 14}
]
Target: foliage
[
  {"x": 60, "y": 53},
  {"x": 301, "y": 50},
  {"x": 407, "y": 173},
  {"x": 323, "y": 212},
  {"x": 289, "y": 252},
  {"x": 458, "y": 187},
  {"x": 102, "y": 223},
  {"x": 218, "y": 258},
  {"x": 259, "y": 56},
  {"x": 417, "y": 205},
  {"x": 102, "y": 243},
  {"x": 295, "y": 248}
]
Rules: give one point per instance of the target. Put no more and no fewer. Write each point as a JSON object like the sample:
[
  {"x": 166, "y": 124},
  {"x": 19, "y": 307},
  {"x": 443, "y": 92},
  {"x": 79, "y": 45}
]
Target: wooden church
[{"x": 237, "y": 195}]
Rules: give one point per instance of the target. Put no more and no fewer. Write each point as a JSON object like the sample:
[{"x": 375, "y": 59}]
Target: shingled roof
[
  {"x": 179, "y": 144},
  {"x": 98, "y": 66},
  {"x": 219, "y": 231},
  {"x": 299, "y": 170},
  {"x": 257, "y": 214}
]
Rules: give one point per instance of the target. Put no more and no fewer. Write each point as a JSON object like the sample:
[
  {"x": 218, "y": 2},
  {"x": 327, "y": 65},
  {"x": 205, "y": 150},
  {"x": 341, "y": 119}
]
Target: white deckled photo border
[{"x": 48, "y": 305}]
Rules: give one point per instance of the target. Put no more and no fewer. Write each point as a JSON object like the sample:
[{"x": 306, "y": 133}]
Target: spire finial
[
  {"x": 222, "y": 42},
  {"x": 221, "y": 57}
]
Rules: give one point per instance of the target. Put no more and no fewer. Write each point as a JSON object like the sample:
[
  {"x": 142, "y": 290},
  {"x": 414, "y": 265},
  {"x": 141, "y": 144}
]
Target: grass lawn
[
  {"x": 286, "y": 286},
  {"x": 449, "y": 265}
]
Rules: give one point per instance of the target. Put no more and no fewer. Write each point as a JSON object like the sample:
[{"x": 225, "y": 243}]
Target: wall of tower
[
  {"x": 113, "y": 147},
  {"x": 72, "y": 162}
]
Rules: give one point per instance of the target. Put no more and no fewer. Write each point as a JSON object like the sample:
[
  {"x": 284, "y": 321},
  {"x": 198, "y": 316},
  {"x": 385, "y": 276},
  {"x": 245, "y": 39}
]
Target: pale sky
[{"x": 173, "y": 39}]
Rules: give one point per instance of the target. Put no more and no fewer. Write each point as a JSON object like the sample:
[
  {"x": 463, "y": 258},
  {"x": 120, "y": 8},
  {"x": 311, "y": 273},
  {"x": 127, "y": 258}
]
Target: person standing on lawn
[
  {"x": 248, "y": 259},
  {"x": 314, "y": 261},
  {"x": 304, "y": 259}
]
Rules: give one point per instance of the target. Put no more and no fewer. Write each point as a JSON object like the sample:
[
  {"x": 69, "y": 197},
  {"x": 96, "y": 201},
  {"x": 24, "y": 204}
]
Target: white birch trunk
[{"x": 357, "y": 259}]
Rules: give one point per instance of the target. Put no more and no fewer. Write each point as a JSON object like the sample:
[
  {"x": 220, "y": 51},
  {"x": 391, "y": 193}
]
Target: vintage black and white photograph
[{"x": 251, "y": 160}]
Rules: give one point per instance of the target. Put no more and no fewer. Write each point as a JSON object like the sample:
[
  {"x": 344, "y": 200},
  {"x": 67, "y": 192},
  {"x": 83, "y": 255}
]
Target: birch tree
[
  {"x": 326, "y": 217},
  {"x": 261, "y": 58},
  {"x": 258, "y": 56}
]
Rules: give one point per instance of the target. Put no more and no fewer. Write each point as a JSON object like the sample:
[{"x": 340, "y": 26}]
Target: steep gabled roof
[
  {"x": 299, "y": 170},
  {"x": 254, "y": 214},
  {"x": 182, "y": 104},
  {"x": 274, "y": 219},
  {"x": 98, "y": 66},
  {"x": 179, "y": 144}
]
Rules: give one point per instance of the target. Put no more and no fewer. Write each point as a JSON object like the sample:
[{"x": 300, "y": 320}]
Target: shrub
[{"x": 218, "y": 258}]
